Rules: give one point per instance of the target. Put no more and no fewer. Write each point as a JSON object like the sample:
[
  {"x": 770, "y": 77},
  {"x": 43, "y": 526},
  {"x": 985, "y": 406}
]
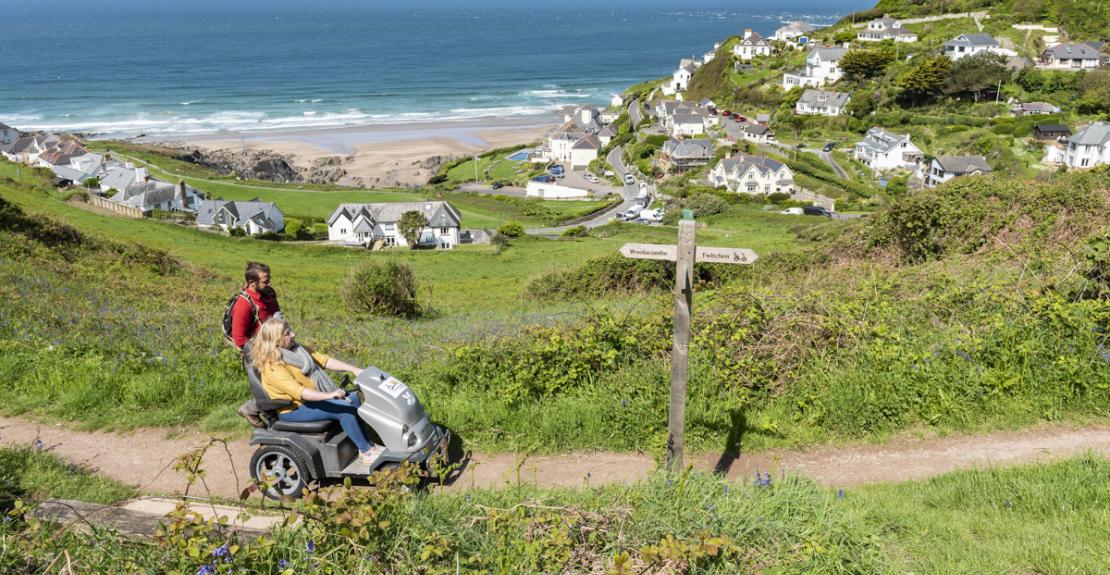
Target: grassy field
[{"x": 1049, "y": 519}]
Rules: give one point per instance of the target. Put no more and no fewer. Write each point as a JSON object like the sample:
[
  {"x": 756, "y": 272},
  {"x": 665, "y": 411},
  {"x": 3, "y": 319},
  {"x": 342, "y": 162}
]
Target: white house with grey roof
[
  {"x": 157, "y": 195},
  {"x": 822, "y": 103},
  {"x": 1089, "y": 147},
  {"x": 678, "y": 156},
  {"x": 253, "y": 217},
  {"x": 966, "y": 45},
  {"x": 882, "y": 150},
  {"x": 8, "y": 134},
  {"x": 795, "y": 33},
  {"x": 822, "y": 67},
  {"x": 1070, "y": 57},
  {"x": 748, "y": 174},
  {"x": 365, "y": 224},
  {"x": 751, "y": 46},
  {"x": 885, "y": 28},
  {"x": 944, "y": 168}
]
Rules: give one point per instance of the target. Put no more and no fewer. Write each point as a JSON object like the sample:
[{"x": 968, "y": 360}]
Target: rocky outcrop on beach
[{"x": 265, "y": 165}]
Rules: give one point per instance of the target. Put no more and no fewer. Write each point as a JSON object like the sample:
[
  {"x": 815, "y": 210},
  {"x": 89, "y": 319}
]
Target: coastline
[{"x": 398, "y": 154}]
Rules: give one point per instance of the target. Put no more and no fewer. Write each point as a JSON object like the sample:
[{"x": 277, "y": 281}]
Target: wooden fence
[{"x": 106, "y": 204}]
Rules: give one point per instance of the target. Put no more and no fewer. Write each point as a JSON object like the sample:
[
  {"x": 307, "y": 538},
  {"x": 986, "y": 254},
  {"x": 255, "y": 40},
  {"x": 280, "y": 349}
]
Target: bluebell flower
[
  {"x": 669, "y": 482},
  {"x": 311, "y": 546},
  {"x": 283, "y": 564},
  {"x": 757, "y": 479},
  {"x": 1009, "y": 504},
  {"x": 206, "y": 569},
  {"x": 1104, "y": 353},
  {"x": 840, "y": 493},
  {"x": 39, "y": 445},
  {"x": 624, "y": 403},
  {"x": 220, "y": 551},
  {"x": 963, "y": 355}
]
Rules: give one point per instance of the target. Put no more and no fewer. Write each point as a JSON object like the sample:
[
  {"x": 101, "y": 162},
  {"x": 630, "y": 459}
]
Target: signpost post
[{"x": 685, "y": 254}]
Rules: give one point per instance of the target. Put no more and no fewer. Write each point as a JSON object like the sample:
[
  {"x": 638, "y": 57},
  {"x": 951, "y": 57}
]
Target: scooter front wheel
[{"x": 281, "y": 472}]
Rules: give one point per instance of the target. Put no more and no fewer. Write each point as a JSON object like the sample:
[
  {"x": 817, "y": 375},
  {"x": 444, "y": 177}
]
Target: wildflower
[
  {"x": 840, "y": 493},
  {"x": 1104, "y": 353},
  {"x": 283, "y": 564},
  {"x": 589, "y": 475},
  {"x": 757, "y": 479},
  {"x": 206, "y": 569},
  {"x": 669, "y": 482},
  {"x": 311, "y": 546},
  {"x": 467, "y": 498},
  {"x": 963, "y": 355},
  {"x": 39, "y": 445},
  {"x": 220, "y": 551},
  {"x": 624, "y": 403},
  {"x": 725, "y": 489},
  {"x": 1009, "y": 504},
  {"x": 766, "y": 482}
]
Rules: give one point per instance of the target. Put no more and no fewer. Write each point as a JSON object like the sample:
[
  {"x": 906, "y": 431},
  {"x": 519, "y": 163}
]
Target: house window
[
  {"x": 444, "y": 231},
  {"x": 343, "y": 231},
  {"x": 751, "y": 186},
  {"x": 1084, "y": 163},
  {"x": 767, "y": 188}
]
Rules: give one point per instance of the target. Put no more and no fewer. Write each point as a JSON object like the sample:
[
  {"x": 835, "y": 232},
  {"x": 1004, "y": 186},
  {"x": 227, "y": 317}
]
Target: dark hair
[{"x": 253, "y": 269}]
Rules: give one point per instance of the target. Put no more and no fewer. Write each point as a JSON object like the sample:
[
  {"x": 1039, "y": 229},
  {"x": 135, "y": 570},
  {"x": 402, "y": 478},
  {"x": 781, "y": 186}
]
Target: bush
[
  {"x": 237, "y": 232},
  {"x": 268, "y": 236},
  {"x": 381, "y": 288},
  {"x": 511, "y": 230},
  {"x": 576, "y": 232}
]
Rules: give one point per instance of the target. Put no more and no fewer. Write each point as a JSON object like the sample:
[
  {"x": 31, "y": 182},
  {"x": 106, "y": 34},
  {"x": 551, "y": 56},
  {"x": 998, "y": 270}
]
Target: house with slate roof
[
  {"x": 118, "y": 178},
  {"x": 751, "y": 46},
  {"x": 752, "y": 132},
  {"x": 944, "y": 168},
  {"x": 795, "y": 33},
  {"x": 679, "y": 156},
  {"x": 157, "y": 195},
  {"x": 1089, "y": 147},
  {"x": 748, "y": 174},
  {"x": 253, "y": 217},
  {"x": 885, "y": 28},
  {"x": 607, "y": 134},
  {"x": 966, "y": 45},
  {"x": 365, "y": 224},
  {"x": 882, "y": 150},
  {"x": 1050, "y": 131},
  {"x": 1033, "y": 109},
  {"x": 822, "y": 67},
  {"x": 1070, "y": 57},
  {"x": 680, "y": 80},
  {"x": 687, "y": 124},
  {"x": 821, "y": 103},
  {"x": 8, "y": 134}
]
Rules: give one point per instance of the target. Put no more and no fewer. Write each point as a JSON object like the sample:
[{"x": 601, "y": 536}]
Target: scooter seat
[{"x": 319, "y": 426}]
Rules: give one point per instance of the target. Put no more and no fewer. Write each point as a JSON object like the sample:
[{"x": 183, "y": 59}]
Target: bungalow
[
  {"x": 155, "y": 195},
  {"x": 120, "y": 178},
  {"x": 821, "y": 103},
  {"x": 966, "y": 45},
  {"x": 751, "y": 46},
  {"x": 1050, "y": 131},
  {"x": 945, "y": 168},
  {"x": 752, "y": 175},
  {"x": 795, "y": 33},
  {"x": 1089, "y": 147},
  {"x": 822, "y": 67},
  {"x": 8, "y": 134},
  {"x": 1033, "y": 109},
  {"x": 753, "y": 132},
  {"x": 1070, "y": 57},
  {"x": 885, "y": 28},
  {"x": 882, "y": 150},
  {"x": 253, "y": 217},
  {"x": 364, "y": 224},
  {"x": 81, "y": 168},
  {"x": 678, "y": 156}
]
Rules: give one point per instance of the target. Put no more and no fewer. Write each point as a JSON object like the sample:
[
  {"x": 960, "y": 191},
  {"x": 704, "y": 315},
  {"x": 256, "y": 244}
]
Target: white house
[
  {"x": 752, "y": 175},
  {"x": 822, "y": 67},
  {"x": 1070, "y": 57},
  {"x": 1033, "y": 109},
  {"x": 751, "y": 46},
  {"x": 882, "y": 150},
  {"x": 364, "y": 224},
  {"x": 253, "y": 217},
  {"x": 885, "y": 28},
  {"x": 678, "y": 156},
  {"x": 120, "y": 178},
  {"x": 822, "y": 103},
  {"x": 584, "y": 151},
  {"x": 1089, "y": 147},
  {"x": 607, "y": 134},
  {"x": 795, "y": 33},
  {"x": 616, "y": 101},
  {"x": 752, "y": 132},
  {"x": 687, "y": 124},
  {"x": 680, "y": 80},
  {"x": 945, "y": 168},
  {"x": 8, "y": 134},
  {"x": 81, "y": 168},
  {"x": 966, "y": 45},
  {"x": 668, "y": 110},
  {"x": 710, "y": 55},
  {"x": 156, "y": 195}
]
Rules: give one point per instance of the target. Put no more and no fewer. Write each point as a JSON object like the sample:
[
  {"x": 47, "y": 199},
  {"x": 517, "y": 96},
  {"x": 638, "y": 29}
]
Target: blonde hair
[{"x": 267, "y": 343}]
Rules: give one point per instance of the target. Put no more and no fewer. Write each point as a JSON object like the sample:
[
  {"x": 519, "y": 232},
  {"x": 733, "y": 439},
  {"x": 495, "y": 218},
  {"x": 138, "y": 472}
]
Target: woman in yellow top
[{"x": 284, "y": 381}]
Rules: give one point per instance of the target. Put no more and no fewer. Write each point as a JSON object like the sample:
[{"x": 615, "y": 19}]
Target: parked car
[
  {"x": 792, "y": 211},
  {"x": 497, "y": 185},
  {"x": 652, "y": 216},
  {"x": 816, "y": 211},
  {"x": 726, "y": 113},
  {"x": 630, "y": 214},
  {"x": 590, "y": 178},
  {"x": 829, "y": 147},
  {"x": 556, "y": 169},
  {"x": 628, "y": 179},
  {"x": 544, "y": 178}
]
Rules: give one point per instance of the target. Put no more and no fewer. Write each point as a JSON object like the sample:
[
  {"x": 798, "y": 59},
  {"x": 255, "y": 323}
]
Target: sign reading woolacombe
[{"x": 685, "y": 254}]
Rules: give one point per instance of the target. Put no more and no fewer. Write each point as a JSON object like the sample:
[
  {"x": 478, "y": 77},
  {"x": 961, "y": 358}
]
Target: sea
[{"x": 125, "y": 68}]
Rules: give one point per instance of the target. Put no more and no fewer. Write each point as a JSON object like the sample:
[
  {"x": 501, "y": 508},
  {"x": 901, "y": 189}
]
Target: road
[
  {"x": 827, "y": 156},
  {"x": 635, "y": 113},
  {"x": 628, "y": 193},
  {"x": 974, "y": 15}
]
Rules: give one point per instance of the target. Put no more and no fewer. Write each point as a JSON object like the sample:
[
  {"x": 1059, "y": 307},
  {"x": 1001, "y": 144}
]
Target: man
[{"x": 257, "y": 303}]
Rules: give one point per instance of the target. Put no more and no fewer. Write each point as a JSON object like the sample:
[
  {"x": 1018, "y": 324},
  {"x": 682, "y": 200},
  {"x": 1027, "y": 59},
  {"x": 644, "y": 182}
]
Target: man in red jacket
[{"x": 248, "y": 315}]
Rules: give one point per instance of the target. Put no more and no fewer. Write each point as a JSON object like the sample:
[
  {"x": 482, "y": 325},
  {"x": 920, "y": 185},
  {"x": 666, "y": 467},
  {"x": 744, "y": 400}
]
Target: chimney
[
  {"x": 181, "y": 192},
  {"x": 747, "y": 33},
  {"x": 141, "y": 175}
]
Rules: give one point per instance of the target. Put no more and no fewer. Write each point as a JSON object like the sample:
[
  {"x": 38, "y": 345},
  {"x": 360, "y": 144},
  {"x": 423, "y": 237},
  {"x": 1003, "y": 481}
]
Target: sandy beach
[{"x": 383, "y": 154}]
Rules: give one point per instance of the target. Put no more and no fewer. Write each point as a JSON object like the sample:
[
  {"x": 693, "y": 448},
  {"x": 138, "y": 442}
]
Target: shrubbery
[
  {"x": 381, "y": 288},
  {"x": 511, "y": 230}
]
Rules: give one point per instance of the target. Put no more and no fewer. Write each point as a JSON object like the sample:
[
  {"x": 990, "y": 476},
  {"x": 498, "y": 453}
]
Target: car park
[{"x": 816, "y": 211}]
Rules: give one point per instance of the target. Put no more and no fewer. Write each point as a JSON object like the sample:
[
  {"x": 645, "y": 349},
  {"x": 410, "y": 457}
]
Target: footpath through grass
[{"x": 1050, "y": 519}]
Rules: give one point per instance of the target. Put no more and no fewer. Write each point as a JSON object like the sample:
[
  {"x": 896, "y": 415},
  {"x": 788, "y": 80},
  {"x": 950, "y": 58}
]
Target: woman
[{"x": 284, "y": 381}]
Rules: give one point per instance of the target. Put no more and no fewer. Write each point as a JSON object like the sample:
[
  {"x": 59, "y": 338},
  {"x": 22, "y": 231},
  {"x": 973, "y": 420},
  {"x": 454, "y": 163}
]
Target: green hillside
[{"x": 1082, "y": 19}]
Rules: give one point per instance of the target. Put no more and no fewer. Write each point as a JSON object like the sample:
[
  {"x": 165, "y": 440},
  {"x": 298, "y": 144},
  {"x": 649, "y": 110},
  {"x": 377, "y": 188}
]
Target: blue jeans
[{"x": 342, "y": 410}]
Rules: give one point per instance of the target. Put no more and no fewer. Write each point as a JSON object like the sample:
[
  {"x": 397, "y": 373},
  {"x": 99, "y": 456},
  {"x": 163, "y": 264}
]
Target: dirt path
[{"x": 146, "y": 459}]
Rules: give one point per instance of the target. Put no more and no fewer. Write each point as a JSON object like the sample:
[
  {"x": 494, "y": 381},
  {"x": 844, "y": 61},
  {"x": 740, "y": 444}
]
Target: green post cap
[{"x": 687, "y": 214}]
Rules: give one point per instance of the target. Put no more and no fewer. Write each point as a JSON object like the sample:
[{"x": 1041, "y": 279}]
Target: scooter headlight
[{"x": 412, "y": 439}]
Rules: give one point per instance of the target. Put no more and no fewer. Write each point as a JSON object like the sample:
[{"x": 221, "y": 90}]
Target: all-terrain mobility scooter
[{"x": 292, "y": 454}]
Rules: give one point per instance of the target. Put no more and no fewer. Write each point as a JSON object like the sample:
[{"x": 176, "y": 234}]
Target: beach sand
[{"x": 384, "y": 155}]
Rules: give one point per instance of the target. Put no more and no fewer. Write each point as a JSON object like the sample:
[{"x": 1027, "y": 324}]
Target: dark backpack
[{"x": 227, "y": 314}]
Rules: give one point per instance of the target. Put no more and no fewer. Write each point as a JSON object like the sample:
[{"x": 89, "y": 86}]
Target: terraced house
[
  {"x": 376, "y": 224},
  {"x": 747, "y": 174}
]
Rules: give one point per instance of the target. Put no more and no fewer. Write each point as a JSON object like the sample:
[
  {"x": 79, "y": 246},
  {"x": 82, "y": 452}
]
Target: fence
[{"x": 106, "y": 204}]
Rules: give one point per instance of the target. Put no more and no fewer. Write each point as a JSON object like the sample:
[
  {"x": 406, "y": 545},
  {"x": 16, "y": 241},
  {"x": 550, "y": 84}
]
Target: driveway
[{"x": 627, "y": 192}]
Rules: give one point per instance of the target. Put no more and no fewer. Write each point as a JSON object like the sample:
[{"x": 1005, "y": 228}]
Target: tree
[
  {"x": 863, "y": 103},
  {"x": 863, "y": 64},
  {"x": 925, "y": 80},
  {"x": 976, "y": 74},
  {"x": 410, "y": 226}
]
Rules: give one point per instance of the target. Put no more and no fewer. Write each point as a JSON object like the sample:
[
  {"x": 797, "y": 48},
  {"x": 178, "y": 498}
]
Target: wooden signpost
[{"x": 685, "y": 255}]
